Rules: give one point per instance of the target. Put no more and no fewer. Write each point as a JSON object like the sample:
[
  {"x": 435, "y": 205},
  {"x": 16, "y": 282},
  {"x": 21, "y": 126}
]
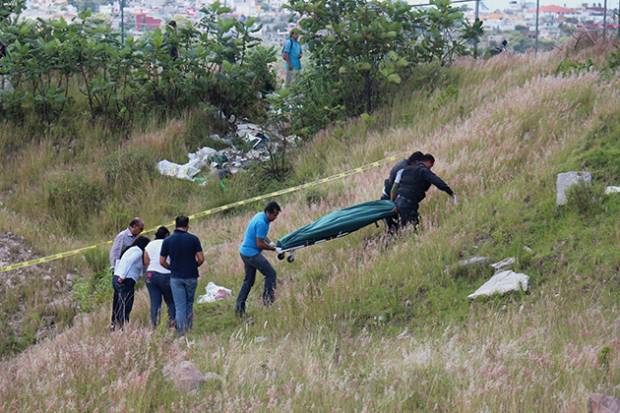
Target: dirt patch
[{"x": 35, "y": 303}]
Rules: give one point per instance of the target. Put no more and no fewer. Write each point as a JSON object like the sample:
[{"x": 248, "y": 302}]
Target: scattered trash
[
  {"x": 503, "y": 263},
  {"x": 612, "y": 190},
  {"x": 473, "y": 261},
  {"x": 231, "y": 160},
  {"x": 527, "y": 249},
  {"x": 502, "y": 282},
  {"x": 187, "y": 171},
  {"x": 260, "y": 339},
  {"x": 214, "y": 293},
  {"x": 566, "y": 180}
]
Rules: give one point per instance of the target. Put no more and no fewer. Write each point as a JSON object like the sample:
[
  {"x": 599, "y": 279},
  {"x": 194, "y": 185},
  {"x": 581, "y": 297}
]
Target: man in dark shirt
[
  {"x": 410, "y": 186},
  {"x": 185, "y": 254},
  {"x": 391, "y": 222}
]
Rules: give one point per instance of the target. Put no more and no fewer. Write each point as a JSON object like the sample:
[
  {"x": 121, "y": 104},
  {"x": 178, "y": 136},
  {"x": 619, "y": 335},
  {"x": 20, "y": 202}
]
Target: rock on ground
[
  {"x": 566, "y": 180},
  {"x": 186, "y": 376},
  {"x": 600, "y": 403},
  {"x": 502, "y": 282}
]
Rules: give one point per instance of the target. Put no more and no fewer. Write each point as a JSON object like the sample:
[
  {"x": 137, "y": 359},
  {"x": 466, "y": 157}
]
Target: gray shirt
[{"x": 123, "y": 240}]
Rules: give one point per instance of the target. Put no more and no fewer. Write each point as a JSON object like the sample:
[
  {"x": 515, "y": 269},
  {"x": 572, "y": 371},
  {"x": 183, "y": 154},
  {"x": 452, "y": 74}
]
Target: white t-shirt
[
  {"x": 130, "y": 265},
  {"x": 153, "y": 249}
]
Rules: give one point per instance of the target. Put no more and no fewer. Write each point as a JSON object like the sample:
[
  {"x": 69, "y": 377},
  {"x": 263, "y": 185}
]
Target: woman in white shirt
[
  {"x": 158, "y": 279},
  {"x": 127, "y": 271}
]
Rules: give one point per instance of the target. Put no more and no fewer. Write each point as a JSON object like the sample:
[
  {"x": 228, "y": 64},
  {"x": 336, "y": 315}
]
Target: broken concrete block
[
  {"x": 502, "y": 282},
  {"x": 567, "y": 180}
]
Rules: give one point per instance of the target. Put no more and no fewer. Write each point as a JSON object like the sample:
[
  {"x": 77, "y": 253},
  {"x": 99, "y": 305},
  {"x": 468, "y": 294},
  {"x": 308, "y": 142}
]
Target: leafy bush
[
  {"x": 92, "y": 291},
  {"x": 199, "y": 126},
  {"x": 72, "y": 197},
  {"x": 218, "y": 61},
  {"x": 361, "y": 52},
  {"x": 568, "y": 67}
]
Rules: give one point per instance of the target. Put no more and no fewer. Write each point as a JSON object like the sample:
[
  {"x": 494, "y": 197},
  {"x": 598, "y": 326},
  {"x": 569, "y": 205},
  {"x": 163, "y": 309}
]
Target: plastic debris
[
  {"x": 568, "y": 179},
  {"x": 214, "y": 293},
  {"x": 612, "y": 190},
  {"x": 231, "y": 160},
  {"x": 473, "y": 261},
  {"x": 503, "y": 263},
  {"x": 501, "y": 283}
]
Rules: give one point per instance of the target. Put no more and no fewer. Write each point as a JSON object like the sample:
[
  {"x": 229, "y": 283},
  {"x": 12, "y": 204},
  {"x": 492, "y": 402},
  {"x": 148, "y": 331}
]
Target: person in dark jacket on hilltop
[
  {"x": 391, "y": 222},
  {"x": 410, "y": 186}
]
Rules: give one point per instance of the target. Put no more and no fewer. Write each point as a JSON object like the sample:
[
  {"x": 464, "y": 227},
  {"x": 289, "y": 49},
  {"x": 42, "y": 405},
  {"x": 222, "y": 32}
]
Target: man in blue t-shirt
[
  {"x": 185, "y": 254},
  {"x": 254, "y": 242},
  {"x": 291, "y": 53}
]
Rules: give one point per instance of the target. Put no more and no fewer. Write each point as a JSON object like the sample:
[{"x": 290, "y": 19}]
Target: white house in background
[{"x": 244, "y": 7}]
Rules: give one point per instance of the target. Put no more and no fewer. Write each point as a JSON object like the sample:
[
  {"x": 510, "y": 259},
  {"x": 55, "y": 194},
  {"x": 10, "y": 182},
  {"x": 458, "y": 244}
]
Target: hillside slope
[{"x": 366, "y": 323}]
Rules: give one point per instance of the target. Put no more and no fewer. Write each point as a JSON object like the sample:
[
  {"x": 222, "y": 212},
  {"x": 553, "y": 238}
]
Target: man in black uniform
[
  {"x": 410, "y": 186},
  {"x": 392, "y": 224}
]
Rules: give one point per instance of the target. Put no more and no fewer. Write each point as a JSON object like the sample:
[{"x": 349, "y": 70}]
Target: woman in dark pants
[
  {"x": 158, "y": 279},
  {"x": 127, "y": 272}
]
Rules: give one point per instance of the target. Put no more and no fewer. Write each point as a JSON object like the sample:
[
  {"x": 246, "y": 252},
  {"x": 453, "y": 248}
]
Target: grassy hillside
[{"x": 366, "y": 323}]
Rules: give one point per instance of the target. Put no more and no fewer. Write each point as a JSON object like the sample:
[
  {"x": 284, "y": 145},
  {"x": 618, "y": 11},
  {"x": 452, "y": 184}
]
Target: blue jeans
[
  {"x": 251, "y": 265},
  {"x": 159, "y": 287},
  {"x": 183, "y": 290}
]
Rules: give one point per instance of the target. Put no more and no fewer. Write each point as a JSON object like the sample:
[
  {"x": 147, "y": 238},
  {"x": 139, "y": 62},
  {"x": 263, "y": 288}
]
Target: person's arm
[
  {"x": 263, "y": 244},
  {"x": 115, "y": 251},
  {"x": 200, "y": 256},
  {"x": 146, "y": 259},
  {"x": 438, "y": 182},
  {"x": 394, "y": 190},
  {"x": 163, "y": 255},
  {"x": 286, "y": 54},
  {"x": 262, "y": 241}
]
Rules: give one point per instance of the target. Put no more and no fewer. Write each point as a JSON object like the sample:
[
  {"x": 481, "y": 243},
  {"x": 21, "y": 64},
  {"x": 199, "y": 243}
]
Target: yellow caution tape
[{"x": 206, "y": 213}]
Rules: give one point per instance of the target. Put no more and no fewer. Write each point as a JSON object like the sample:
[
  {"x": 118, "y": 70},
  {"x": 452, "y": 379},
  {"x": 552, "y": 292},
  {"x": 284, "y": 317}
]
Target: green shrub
[
  {"x": 569, "y": 67},
  {"x": 73, "y": 197},
  {"x": 315, "y": 195},
  {"x": 129, "y": 166},
  {"x": 91, "y": 291},
  {"x": 585, "y": 198},
  {"x": 199, "y": 126}
]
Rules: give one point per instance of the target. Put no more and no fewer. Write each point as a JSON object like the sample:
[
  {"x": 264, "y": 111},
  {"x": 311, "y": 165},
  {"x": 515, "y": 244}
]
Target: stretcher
[{"x": 334, "y": 225}]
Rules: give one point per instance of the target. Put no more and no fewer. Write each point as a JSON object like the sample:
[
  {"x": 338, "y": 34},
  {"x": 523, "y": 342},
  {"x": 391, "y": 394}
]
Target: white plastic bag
[
  {"x": 214, "y": 293},
  {"x": 502, "y": 282}
]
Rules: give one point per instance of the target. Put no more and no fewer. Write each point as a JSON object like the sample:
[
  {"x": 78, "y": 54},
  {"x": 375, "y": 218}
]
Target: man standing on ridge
[
  {"x": 410, "y": 186},
  {"x": 185, "y": 253},
  {"x": 254, "y": 243},
  {"x": 291, "y": 53},
  {"x": 415, "y": 157}
]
